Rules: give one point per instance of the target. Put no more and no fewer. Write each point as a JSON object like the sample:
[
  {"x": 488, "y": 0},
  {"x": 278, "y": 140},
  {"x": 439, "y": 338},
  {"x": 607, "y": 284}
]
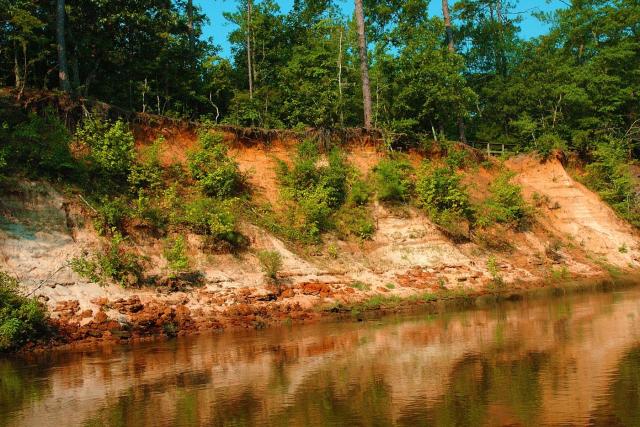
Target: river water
[{"x": 562, "y": 360}]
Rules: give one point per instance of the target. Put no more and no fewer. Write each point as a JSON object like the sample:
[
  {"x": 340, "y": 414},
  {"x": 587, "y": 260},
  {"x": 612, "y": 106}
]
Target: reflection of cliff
[{"x": 528, "y": 363}]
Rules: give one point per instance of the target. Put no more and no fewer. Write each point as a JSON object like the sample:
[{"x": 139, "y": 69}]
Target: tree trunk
[
  {"x": 16, "y": 67},
  {"x": 249, "y": 68},
  {"x": 364, "y": 65},
  {"x": 190, "y": 23},
  {"x": 340, "y": 78},
  {"x": 63, "y": 68},
  {"x": 447, "y": 25},
  {"x": 452, "y": 49}
]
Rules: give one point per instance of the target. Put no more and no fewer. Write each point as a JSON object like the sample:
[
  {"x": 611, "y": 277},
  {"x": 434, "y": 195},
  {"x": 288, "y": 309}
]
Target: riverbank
[
  {"x": 214, "y": 230},
  {"x": 156, "y": 320}
]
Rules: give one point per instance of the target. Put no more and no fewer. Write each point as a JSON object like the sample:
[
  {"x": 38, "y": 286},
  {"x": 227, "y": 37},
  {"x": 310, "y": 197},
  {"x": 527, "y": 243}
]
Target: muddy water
[{"x": 567, "y": 360}]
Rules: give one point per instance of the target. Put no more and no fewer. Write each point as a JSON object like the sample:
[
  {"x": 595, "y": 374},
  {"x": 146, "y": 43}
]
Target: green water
[{"x": 570, "y": 360}]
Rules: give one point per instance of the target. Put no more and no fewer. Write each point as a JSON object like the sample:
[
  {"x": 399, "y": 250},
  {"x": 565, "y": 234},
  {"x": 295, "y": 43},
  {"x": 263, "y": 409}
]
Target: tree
[
  {"x": 63, "y": 68},
  {"x": 452, "y": 50},
  {"x": 364, "y": 64}
]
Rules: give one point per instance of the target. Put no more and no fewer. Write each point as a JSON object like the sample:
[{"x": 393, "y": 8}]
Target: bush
[
  {"x": 546, "y": 143},
  {"x": 392, "y": 177},
  {"x": 359, "y": 192},
  {"x": 40, "y": 145},
  {"x": 148, "y": 173},
  {"x": 316, "y": 191},
  {"x": 148, "y": 209},
  {"x": 22, "y": 319},
  {"x": 440, "y": 193},
  {"x": 610, "y": 176},
  {"x": 111, "y": 147},
  {"x": 175, "y": 251},
  {"x": 354, "y": 221},
  {"x": 271, "y": 263},
  {"x": 214, "y": 219},
  {"x": 111, "y": 214},
  {"x": 505, "y": 204},
  {"x": 216, "y": 173},
  {"x": 115, "y": 263}
]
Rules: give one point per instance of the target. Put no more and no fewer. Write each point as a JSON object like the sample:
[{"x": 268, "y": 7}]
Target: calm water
[{"x": 570, "y": 360}]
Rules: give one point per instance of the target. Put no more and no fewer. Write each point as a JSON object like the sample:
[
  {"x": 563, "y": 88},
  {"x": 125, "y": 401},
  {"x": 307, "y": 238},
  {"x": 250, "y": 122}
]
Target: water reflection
[{"x": 572, "y": 360}]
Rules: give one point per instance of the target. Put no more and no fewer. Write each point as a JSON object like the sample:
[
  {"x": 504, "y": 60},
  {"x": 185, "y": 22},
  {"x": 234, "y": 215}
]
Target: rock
[
  {"x": 287, "y": 293},
  {"x": 100, "y": 301},
  {"x": 100, "y": 317}
]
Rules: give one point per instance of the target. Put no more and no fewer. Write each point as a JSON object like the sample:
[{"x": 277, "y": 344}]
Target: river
[{"x": 563, "y": 360}]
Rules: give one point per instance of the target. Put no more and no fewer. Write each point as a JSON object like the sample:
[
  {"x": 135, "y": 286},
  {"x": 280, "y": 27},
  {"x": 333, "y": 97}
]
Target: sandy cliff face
[{"x": 41, "y": 229}]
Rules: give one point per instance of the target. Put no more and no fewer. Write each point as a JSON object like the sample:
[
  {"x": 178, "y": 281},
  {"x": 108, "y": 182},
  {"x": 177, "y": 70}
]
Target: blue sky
[{"x": 219, "y": 28}]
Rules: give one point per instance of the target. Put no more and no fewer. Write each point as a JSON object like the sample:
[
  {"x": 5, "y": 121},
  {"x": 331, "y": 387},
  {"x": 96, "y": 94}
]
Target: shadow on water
[{"x": 569, "y": 360}]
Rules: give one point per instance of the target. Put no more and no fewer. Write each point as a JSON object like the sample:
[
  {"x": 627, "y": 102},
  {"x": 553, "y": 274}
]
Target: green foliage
[
  {"x": 271, "y": 263},
  {"x": 497, "y": 282},
  {"x": 505, "y": 204},
  {"x": 316, "y": 191},
  {"x": 85, "y": 267},
  {"x": 547, "y": 143},
  {"x": 22, "y": 319},
  {"x": 393, "y": 179},
  {"x": 114, "y": 263},
  {"x": 354, "y": 221},
  {"x": 440, "y": 192},
  {"x": 215, "y": 219},
  {"x": 111, "y": 147},
  {"x": 175, "y": 251},
  {"x": 148, "y": 173},
  {"x": 361, "y": 286},
  {"x": 609, "y": 174},
  {"x": 216, "y": 173},
  {"x": 111, "y": 214},
  {"x": 40, "y": 147}
]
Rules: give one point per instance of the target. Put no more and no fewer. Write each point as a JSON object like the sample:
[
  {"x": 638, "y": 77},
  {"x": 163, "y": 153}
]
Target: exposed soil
[{"x": 41, "y": 229}]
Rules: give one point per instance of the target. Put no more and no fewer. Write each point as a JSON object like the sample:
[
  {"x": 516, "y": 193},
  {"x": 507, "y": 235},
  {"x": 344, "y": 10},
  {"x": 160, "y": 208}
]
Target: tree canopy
[{"x": 572, "y": 86}]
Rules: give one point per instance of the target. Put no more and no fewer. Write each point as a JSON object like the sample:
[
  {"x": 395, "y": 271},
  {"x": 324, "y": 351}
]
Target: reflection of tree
[
  {"x": 623, "y": 398},
  {"x": 464, "y": 404},
  {"x": 18, "y": 385},
  {"x": 347, "y": 396},
  {"x": 478, "y": 382}
]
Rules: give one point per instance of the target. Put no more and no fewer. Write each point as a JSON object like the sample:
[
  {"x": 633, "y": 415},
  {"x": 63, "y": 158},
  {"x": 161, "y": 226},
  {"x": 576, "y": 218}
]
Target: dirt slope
[{"x": 42, "y": 229}]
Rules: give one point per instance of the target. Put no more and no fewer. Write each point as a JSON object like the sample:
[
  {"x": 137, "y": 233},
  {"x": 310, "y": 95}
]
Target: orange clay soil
[{"x": 574, "y": 236}]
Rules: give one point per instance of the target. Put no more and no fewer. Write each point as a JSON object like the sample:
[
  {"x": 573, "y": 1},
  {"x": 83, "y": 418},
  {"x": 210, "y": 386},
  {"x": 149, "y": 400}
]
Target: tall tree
[
  {"x": 364, "y": 65},
  {"x": 447, "y": 25},
  {"x": 63, "y": 68},
  {"x": 249, "y": 53},
  {"x": 452, "y": 49}
]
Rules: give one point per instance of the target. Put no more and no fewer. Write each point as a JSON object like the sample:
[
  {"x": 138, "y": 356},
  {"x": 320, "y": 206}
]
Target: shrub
[
  {"x": 111, "y": 214},
  {"x": 354, "y": 221},
  {"x": 546, "y": 143},
  {"x": 215, "y": 219},
  {"x": 175, "y": 251},
  {"x": 497, "y": 282},
  {"x": 610, "y": 176},
  {"x": 316, "y": 191},
  {"x": 40, "y": 145},
  {"x": 271, "y": 263},
  {"x": 115, "y": 263},
  {"x": 22, "y": 319},
  {"x": 216, "y": 173},
  {"x": 393, "y": 179},
  {"x": 440, "y": 193},
  {"x": 148, "y": 210},
  {"x": 505, "y": 204},
  {"x": 359, "y": 192},
  {"x": 111, "y": 147},
  {"x": 148, "y": 173}
]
